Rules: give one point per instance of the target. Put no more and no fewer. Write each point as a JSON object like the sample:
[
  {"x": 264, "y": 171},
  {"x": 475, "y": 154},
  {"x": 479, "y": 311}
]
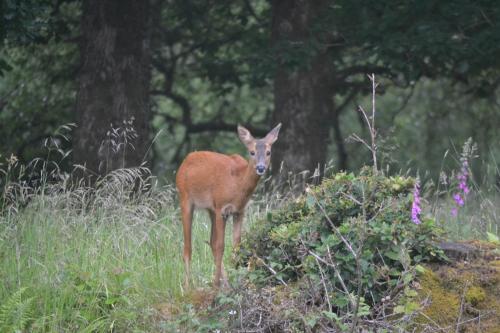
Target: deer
[{"x": 222, "y": 185}]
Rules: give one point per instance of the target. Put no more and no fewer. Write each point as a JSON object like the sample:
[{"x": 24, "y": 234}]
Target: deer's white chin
[{"x": 260, "y": 173}]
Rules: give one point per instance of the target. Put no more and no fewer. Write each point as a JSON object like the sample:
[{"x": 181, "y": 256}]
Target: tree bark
[
  {"x": 339, "y": 142},
  {"x": 112, "y": 107},
  {"x": 302, "y": 96}
]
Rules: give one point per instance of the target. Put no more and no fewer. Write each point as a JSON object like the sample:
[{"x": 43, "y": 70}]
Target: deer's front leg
[
  {"x": 218, "y": 246},
  {"x": 237, "y": 226}
]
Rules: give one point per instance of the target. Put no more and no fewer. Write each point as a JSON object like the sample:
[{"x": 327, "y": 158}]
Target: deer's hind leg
[{"x": 187, "y": 221}]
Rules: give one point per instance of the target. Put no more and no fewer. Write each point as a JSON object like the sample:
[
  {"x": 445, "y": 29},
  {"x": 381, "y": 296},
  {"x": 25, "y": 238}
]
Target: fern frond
[{"x": 16, "y": 312}]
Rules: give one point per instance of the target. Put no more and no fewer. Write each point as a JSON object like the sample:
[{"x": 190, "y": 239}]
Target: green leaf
[
  {"x": 411, "y": 307},
  {"x": 399, "y": 309},
  {"x": 340, "y": 301},
  {"x": 492, "y": 238},
  {"x": 392, "y": 255},
  {"x": 331, "y": 315},
  {"x": 420, "y": 269},
  {"x": 311, "y": 321},
  {"x": 410, "y": 293},
  {"x": 112, "y": 300},
  {"x": 310, "y": 201}
]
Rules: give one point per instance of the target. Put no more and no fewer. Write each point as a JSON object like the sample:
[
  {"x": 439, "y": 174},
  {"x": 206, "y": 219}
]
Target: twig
[
  {"x": 324, "y": 284},
  {"x": 337, "y": 273},
  {"x": 335, "y": 229},
  {"x": 358, "y": 264},
  {"x": 373, "y": 131},
  {"x": 272, "y": 270},
  {"x": 370, "y": 122},
  {"x": 478, "y": 317}
]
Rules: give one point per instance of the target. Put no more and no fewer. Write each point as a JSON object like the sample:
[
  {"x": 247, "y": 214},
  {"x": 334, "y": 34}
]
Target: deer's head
[{"x": 259, "y": 149}]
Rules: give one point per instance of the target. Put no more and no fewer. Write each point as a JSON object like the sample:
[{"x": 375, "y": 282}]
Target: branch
[
  {"x": 217, "y": 126},
  {"x": 346, "y": 101},
  {"x": 214, "y": 125}
]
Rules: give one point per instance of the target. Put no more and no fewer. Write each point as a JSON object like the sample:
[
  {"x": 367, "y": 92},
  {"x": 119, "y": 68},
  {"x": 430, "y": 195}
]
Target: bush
[{"x": 349, "y": 245}]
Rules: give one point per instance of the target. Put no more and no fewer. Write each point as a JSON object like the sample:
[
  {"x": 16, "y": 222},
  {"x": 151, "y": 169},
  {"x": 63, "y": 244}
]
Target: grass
[
  {"x": 105, "y": 266},
  {"x": 479, "y": 215}
]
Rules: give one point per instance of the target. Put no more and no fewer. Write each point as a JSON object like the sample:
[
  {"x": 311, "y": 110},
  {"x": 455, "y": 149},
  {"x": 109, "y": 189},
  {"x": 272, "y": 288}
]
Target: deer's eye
[
  {"x": 252, "y": 153},
  {"x": 268, "y": 152}
]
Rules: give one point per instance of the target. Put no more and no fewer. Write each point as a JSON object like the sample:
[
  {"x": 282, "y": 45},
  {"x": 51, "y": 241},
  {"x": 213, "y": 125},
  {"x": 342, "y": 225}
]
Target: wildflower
[
  {"x": 458, "y": 199},
  {"x": 462, "y": 177},
  {"x": 454, "y": 212},
  {"x": 463, "y": 186},
  {"x": 415, "y": 207}
]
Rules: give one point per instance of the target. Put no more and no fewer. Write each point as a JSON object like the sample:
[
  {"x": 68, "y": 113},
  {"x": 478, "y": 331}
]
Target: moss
[
  {"x": 444, "y": 305},
  {"x": 475, "y": 295},
  {"x": 444, "y": 286}
]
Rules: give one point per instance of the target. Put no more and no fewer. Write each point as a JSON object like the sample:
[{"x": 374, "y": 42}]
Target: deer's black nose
[{"x": 260, "y": 169}]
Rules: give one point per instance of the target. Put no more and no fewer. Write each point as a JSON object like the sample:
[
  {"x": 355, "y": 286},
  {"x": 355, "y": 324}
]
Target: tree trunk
[
  {"x": 339, "y": 142},
  {"x": 112, "y": 107},
  {"x": 302, "y": 96}
]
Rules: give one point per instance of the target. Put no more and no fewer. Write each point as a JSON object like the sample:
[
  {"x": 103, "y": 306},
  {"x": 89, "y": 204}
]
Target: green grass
[
  {"x": 479, "y": 215},
  {"x": 99, "y": 269}
]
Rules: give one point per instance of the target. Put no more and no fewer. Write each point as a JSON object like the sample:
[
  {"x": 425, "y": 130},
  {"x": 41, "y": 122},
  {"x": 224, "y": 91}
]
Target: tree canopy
[{"x": 217, "y": 64}]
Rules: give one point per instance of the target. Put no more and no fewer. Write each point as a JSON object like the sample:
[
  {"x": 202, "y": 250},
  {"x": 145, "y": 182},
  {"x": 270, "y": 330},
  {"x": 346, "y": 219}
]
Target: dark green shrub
[{"x": 351, "y": 238}]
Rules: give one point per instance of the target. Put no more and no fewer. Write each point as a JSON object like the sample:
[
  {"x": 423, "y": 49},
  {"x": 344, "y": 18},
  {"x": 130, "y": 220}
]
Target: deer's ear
[
  {"x": 245, "y": 135},
  {"x": 272, "y": 136}
]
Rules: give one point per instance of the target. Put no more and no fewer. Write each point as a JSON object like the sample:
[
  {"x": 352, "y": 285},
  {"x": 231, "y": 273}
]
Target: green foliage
[
  {"x": 37, "y": 94},
  {"x": 309, "y": 239},
  {"x": 16, "y": 312},
  {"x": 492, "y": 238},
  {"x": 425, "y": 38},
  {"x": 23, "y": 21},
  {"x": 99, "y": 299}
]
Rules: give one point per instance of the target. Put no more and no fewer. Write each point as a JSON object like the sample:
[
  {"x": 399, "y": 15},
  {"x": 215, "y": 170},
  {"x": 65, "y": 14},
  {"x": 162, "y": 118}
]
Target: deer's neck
[{"x": 251, "y": 179}]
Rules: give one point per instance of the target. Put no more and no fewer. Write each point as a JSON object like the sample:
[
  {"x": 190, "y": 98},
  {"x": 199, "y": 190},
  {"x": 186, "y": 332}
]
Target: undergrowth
[{"x": 344, "y": 255}]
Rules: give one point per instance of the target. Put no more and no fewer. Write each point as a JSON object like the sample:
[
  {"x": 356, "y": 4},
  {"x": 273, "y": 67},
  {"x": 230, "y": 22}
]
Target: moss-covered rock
[
  {"x": 463, "y": 292},
  {"x": 475, "y": 295},
  {"x": 443, "y": 305}
]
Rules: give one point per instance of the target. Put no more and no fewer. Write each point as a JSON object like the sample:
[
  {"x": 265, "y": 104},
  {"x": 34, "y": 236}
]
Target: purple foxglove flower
[
  {"x": 458, "y": 199},
  {"x": 415, "y": 207},
  {"x": 454, "y": 211}
]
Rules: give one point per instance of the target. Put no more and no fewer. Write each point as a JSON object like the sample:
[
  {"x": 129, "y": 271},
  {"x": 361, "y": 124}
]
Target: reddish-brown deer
[{"x": 221, "y": 184}]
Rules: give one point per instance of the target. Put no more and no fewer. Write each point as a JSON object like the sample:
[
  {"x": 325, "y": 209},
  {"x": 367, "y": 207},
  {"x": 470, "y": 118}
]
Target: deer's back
[{"x": 208, "y": 179}]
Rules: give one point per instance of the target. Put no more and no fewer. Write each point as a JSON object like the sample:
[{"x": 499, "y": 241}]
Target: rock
[{"x": 460, "y": 251}]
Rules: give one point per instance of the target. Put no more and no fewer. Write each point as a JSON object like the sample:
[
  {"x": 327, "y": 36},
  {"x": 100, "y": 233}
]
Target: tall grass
[
  {"x": 480, "y": 213},
  {"x": 97, "y": 259}
]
